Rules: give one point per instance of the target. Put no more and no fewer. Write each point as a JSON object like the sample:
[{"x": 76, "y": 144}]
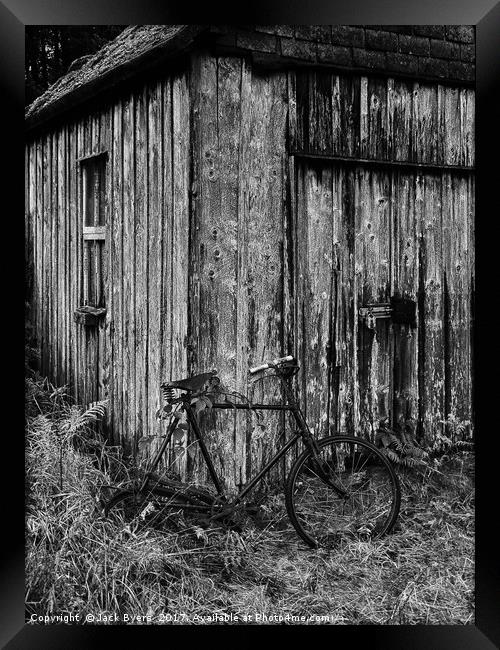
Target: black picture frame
[{"x": 14, "y": 15}]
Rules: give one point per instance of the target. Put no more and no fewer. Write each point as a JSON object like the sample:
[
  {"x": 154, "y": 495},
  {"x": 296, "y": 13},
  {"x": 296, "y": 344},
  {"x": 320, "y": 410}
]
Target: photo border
[{"x": 14, "y": 16}]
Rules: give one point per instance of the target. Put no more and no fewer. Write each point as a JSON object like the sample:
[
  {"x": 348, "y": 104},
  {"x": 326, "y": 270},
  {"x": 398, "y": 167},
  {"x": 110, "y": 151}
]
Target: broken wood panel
[
  {"x": 457, "y": 314},
  {"x": 431, "y": 334},
  {"x": 129, "y": 260},
  {"x": 373, "y": 257},
  {"x": 405, "y": 260},
  {"x": 155, "y": 248},
  {"x": 265, "y": 217},
  {"x": 140, "y": 270}
]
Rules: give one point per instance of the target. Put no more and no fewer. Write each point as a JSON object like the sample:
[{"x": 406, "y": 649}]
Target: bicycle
[{"x": 339, "y": 486}]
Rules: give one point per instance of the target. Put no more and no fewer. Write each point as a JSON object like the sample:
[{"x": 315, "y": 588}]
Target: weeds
[{"x": 78, "y": 562}]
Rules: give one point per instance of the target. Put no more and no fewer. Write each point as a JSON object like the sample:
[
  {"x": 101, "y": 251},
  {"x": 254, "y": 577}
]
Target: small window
[{"x": 93, "y": 178}]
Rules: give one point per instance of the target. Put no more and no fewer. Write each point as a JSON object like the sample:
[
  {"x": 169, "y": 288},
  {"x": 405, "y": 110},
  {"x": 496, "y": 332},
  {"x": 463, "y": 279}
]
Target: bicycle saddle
[{"x": 193, "y": 383}]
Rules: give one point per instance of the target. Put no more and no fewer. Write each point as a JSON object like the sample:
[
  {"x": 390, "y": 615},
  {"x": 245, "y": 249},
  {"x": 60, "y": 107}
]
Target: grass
[{"x": 79, "y": 563}]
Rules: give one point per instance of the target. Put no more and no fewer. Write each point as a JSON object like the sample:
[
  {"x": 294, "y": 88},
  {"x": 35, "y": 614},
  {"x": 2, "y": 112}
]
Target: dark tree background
[{"x": 51, "y": 49}]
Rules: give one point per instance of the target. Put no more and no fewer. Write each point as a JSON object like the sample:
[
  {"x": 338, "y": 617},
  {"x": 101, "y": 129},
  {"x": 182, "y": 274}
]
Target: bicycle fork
[{"x": 322, "y": 469}]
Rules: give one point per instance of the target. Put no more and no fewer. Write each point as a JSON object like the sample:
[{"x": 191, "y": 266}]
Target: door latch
[
  {"x": 401, "y": 311},
  {"x": 371, "y": 312}
]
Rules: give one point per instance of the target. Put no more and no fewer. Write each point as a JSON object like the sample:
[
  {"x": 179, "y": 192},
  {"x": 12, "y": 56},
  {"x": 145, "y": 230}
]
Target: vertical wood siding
[
  {"x": 222, "y": 250},
  {"x": 142, "y": 339}
]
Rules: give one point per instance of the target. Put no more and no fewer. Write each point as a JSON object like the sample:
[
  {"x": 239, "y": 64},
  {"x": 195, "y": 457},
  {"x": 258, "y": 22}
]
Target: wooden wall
[
  {"x": 224, "y": 250},
  {"x": 142, "y": 339}
]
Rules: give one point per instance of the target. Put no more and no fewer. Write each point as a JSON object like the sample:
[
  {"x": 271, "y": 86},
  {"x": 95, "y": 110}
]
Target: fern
[{"x": 400, "y": 447}]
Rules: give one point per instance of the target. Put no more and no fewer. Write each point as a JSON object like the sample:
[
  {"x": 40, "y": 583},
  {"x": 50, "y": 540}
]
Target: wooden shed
[{"x": 222, "y": 195}]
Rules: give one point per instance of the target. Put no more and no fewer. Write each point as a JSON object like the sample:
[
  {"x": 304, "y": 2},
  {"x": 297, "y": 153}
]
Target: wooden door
[{"x": 366, "y": 234}]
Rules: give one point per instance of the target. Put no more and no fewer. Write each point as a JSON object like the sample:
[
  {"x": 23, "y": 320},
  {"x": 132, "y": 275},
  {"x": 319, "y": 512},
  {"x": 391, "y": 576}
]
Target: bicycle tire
[
  {"x": 316, "y": 508},
  {"x": 153, "y": 509}
]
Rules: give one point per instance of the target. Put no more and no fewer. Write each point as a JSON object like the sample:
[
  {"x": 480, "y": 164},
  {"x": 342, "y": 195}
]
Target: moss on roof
[{"x": 117, "y": 60}]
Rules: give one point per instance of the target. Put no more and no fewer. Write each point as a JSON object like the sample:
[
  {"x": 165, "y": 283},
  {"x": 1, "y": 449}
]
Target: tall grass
[{"x": 78, "y": 562}]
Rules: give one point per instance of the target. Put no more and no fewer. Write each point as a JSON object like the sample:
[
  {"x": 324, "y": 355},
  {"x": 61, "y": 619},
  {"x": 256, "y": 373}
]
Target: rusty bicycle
[{"x": 338, "y": 487}]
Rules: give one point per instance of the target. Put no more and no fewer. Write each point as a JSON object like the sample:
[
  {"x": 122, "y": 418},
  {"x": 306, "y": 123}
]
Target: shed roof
[
  {"x": 438, "y": 53},
  {"x": 136, "y": 47}
]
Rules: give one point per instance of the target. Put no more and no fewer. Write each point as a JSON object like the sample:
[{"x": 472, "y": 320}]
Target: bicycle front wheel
[{"x": 350, "y": 490}]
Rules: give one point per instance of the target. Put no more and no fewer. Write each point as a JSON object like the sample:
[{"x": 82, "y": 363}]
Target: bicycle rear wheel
[
  {"x": 158, "y": 507},
  {"x": 352, "y": 492}
]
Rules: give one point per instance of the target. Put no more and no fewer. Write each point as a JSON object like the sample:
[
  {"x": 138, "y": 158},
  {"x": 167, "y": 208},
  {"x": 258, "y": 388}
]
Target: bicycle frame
[{"x": 291, "y": 405}]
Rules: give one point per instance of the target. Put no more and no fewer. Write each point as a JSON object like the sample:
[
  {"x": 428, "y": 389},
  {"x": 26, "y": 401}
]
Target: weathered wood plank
[
  {"x": 92, "y": 334},
  {"x": 406, "y": 232},
  {"x": 346, "y": 320},
  {"x": 47, "y": 285},
  {"x": 457, "y": 273},
  {"x": 242, "y": 346},
  {"x": 105, "y": 134},
  {"x": 73, "y": 262},
  {"x": 117, "y": 275},
  {"x": 424, "y": 125},
  {"x": 317, "y": 293},
  {"x": 377, "y": 141},
  {"x": 54, "y": 279},
  {"x": 180, "y": 239},
  {"x": 449, "y": 132},
  {"x": 320, "y": 112},
  {"x": 155, "y": 248},
  {"x": 431, "y": 335},
  {"x": 140, "y": 270},
  {"x": 467, "y": 126},
  {"x": 267, "y": 196},
  {"x": 32, "y": 249},
  {"x": 400, "y": 120},
  {"x": 349, "y": 89},
  {"x": 39, "y": 265},
  {"x": 207, "y": 282},
  {"x": 78, "y": 222},
  {"x": 61, "y": 256},
  {"x": 372, "y": 253},
  {"x": 128, "y": 308}
]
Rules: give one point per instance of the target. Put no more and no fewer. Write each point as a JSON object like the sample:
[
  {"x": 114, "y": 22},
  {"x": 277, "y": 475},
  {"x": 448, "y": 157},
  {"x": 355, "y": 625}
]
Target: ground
[{"x": 79, "y": 563}]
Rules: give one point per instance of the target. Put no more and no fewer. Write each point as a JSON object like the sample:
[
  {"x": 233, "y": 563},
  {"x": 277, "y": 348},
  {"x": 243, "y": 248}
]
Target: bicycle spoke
[{"x": 368, "y": 503}]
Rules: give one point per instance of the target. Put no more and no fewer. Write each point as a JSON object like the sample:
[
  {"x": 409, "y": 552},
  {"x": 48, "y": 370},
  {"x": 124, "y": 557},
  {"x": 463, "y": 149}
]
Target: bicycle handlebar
[{"x": 270, "y": 364}]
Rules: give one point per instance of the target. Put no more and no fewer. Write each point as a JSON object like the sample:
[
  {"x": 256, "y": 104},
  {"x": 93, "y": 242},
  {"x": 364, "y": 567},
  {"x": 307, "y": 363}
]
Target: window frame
[{"x": 93, "y": 233}]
